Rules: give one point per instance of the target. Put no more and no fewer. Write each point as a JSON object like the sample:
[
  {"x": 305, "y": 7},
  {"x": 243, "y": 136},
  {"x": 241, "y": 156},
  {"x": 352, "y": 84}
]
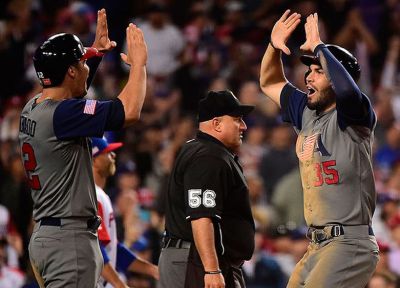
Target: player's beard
[{"x": 326, "y": 98}]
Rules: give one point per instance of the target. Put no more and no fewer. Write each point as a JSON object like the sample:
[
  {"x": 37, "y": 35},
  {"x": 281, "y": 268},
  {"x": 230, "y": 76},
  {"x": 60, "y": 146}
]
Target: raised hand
[
  {"x": 101, "y": 41},
  {"x": 283, "y": 28},
  {"x": 312, "y": 33},
  {"x": 136, "y": 47}
]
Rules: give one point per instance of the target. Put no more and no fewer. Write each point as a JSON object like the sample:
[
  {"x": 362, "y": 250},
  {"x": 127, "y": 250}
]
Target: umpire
[{"x": 209, "y": 225}]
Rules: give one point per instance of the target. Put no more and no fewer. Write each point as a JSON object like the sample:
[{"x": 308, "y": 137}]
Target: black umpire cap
[
  {"x": 219, "y": 103},
  {"x": 345, "y": 58}
]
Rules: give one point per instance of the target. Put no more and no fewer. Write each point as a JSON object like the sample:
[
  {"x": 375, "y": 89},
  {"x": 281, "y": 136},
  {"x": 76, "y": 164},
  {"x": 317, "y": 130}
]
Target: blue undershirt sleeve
[
  {"x": 87, "y": 118},
  {"x": 124, "y": 257},
  {"x": 293, "y": 102},
  {"x": 104, "y": 253},
  {"x": 353, "y": 107}
]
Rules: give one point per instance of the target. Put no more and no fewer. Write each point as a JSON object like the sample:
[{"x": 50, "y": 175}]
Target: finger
[
  {"x": 284, "y": 16},
  {"x": 290, "y": 18},
  {"x": 129, "y": 38},
  {"x": 140, "y": 35},
  {"x": 124, "y": 58},
  {"x": 286, "y": 50},
  {"x": 113, "y": 44},
  {"x": 100, "y": 15},
  {"x": 293, "y": 20},
  {"x": 294, "y": 25}
]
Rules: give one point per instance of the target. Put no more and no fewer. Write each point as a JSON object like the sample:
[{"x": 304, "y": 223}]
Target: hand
[
  {"x": 312, "y": 33},
  {"x": 136, "y": 47},
  {"x": 101, "y": 41},
  {"x": 283, "y": 28},
  {"x": 214, "y": 281}
]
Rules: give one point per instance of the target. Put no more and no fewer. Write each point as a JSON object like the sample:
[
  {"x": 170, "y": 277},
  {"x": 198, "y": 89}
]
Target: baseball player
[
  {"x": 209, "y": 226},
  {"x": 56, "y": 151},
  {"x": 334, "y": 121},
  {"x": 115, "y": 254}
]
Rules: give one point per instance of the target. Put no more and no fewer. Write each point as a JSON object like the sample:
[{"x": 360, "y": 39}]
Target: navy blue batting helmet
[
  {"x": 55, "y": 55},
  {"x": 348, "y": 61}
]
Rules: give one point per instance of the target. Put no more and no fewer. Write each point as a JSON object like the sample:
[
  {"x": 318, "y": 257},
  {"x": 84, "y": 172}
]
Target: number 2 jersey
[
  {"x": 334, "y": 154},
  {"x": 56, "y": 152}
]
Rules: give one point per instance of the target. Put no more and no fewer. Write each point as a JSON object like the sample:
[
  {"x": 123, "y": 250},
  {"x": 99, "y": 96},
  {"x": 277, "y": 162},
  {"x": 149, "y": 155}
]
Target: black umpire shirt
[{"x": 207, "y": 181}]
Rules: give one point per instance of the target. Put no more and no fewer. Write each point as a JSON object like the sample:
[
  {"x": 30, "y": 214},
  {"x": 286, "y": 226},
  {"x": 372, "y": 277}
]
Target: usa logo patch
[
  {"x": 305, "y": 146},
  {"x": 90, "y": 107}
]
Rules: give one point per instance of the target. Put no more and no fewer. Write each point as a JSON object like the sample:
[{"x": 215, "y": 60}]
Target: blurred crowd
[{"x": 193, "y": 47}]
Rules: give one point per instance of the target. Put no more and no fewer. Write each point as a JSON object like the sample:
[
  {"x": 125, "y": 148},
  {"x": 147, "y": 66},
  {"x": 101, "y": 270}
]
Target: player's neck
[
  {"x": 99, "y": 180},
  {"x": 327, "y": 109},
  {"x": 55, "y": 93}
]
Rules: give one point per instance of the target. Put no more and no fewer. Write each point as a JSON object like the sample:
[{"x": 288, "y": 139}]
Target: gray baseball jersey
[
  {"x": 335, "y": 162},
  {"x": 57, "y": 153}
]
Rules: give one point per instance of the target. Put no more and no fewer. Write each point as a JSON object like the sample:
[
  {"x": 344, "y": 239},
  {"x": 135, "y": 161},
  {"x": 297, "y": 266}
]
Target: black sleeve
[{"x": 353, "y": 107}]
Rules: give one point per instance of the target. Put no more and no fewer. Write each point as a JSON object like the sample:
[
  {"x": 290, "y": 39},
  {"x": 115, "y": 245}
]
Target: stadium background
[{"x": 196, "y": 46}]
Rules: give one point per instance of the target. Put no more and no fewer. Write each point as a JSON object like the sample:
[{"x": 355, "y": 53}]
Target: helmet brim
[{"x": 308, "y": 60}]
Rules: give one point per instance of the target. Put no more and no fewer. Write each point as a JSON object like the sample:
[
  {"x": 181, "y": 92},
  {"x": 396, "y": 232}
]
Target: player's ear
[
  {"x": 71, "y": 71},
  {"x": 217, "y": 123}
]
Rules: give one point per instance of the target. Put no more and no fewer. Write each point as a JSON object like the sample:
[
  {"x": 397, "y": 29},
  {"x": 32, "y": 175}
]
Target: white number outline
[
  {"x": 209, "y": 198},
  {"x": 194, "y": 198}
]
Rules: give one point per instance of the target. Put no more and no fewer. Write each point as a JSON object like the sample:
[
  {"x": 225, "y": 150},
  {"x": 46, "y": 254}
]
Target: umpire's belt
[
  {"x": 91, "y": 223},
  {"x": 169, "y": 242},
  {"x": 318, "y": 234}
]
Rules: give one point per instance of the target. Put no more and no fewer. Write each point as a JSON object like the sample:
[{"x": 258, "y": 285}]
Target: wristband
[
  {"x": 270, "y": 42},
  {"x": 213, "y": 272}
]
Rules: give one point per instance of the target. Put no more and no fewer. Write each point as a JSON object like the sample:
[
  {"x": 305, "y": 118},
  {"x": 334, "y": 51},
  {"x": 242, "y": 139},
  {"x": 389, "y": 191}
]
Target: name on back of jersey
[{"x": 27, "y": 126}]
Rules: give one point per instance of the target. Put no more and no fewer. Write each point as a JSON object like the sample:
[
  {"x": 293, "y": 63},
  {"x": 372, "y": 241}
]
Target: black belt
[
  {"x": 92, "y": 223},
  {"x": 318, "y": 234},
  {"x": 175, "y": 243}
]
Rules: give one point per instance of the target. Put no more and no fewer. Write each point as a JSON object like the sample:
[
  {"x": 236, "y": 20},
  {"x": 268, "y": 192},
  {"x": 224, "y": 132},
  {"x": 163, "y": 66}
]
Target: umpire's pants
[
  {"x": 181, "y": 267},
  {"x": 66, "y": 256}
]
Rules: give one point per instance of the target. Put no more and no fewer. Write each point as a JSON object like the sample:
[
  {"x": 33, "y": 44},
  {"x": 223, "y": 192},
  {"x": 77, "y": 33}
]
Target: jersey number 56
[{"x": 197, "y": 197}]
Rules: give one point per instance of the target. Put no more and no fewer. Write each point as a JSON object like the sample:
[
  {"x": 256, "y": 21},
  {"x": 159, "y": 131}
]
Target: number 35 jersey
[
  {"x": 334, "y": 155},
  {"x": 56, "y": 152}
]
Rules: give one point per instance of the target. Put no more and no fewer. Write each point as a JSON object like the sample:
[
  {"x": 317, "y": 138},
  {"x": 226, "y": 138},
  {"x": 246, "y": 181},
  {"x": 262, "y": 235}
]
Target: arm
[
  {"x": 203, "y": 234},
  {"x": 132, "y": 96},
  {"x": 354, "y": 30},
  {"x": 348, "y": 95},
  {"x": 110, "y": 275},
  {"x": 272, "y": 78},
  {"x": 128, "y": 261},
  {"x": 144, "y": 267},
  {"x": 108, "y": 272}
]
